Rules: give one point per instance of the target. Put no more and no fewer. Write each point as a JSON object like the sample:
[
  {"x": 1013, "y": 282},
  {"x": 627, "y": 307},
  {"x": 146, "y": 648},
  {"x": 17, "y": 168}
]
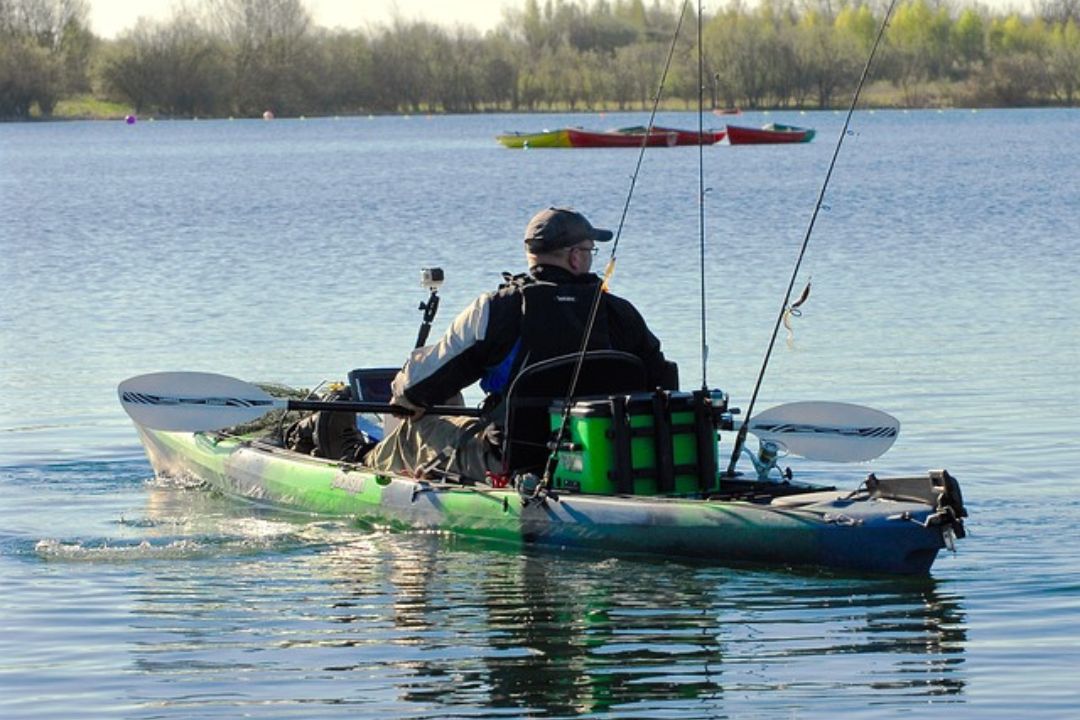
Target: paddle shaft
[{"x": 373, "y": 407}]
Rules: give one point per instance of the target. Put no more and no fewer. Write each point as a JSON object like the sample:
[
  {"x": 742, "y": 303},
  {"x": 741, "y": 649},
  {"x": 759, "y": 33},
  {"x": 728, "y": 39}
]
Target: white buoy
[{"x": 268, "y": 115}]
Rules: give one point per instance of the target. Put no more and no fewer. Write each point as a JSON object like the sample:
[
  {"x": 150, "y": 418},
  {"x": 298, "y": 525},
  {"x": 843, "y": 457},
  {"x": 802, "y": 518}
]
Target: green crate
[{"x": 590, "y": 464}]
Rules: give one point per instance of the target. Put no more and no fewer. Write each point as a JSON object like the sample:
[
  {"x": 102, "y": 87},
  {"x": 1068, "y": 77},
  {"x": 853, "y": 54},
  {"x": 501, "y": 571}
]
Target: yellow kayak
[{"x": 546, "y": 139}]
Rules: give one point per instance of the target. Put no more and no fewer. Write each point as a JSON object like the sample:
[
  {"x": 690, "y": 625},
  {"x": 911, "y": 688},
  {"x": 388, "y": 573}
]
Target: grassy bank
[
  {"x": 88, "y": 107},
  {"x": 878, "y": 95}
]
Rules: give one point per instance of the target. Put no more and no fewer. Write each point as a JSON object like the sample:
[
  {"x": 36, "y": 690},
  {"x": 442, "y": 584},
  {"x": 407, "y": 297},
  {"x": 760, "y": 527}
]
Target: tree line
[{"x": 241, "y": 57}]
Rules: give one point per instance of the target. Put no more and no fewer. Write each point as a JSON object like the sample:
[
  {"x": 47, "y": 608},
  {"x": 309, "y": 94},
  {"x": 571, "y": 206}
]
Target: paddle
[
  {"x": 197, "y": 401},
  {"x": 831, "y": 431}
]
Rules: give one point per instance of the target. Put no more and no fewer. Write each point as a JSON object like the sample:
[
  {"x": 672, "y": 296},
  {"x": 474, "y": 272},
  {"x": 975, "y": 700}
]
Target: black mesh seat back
[
  {"x": 372, "y": 384},
  {"x": 603, "y": 372}
]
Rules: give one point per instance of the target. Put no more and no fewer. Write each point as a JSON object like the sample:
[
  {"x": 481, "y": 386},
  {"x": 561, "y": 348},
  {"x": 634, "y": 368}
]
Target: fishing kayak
[{"x": 886, "y": 525}]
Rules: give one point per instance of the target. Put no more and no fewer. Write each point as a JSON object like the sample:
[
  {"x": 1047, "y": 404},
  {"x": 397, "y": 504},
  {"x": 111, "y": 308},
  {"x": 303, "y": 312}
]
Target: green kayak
[
  {"x": 635, "y": 473},
  {"x": 893, "y": 525}
]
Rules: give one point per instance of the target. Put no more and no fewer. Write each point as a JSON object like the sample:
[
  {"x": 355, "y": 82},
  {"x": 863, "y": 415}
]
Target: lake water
[{"x": 944, "y": 292}]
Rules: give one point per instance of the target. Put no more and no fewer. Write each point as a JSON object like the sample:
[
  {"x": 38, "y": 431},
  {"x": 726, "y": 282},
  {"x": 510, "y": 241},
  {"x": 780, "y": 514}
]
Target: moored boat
[
  {"x": 614, "y": 138},
  {"x": 682, "y": 137},
  {"x": 623, "y": 137},
  {"x": 772, "y": 133},
  {"x": 544, "y": 139}
]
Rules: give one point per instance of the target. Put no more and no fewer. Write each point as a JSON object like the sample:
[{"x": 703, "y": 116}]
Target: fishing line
[
  {"x": 740, "y": 439},
  {"x": 609, "y": 269}
]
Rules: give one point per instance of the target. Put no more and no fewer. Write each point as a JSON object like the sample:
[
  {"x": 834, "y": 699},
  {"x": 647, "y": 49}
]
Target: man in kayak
[{"x": 531, "y": 317}]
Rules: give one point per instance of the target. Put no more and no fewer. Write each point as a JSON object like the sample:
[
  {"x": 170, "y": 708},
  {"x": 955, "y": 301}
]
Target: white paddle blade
[
  {"x": 830, "y": 431},
  {"x": 192, "y": 401}
]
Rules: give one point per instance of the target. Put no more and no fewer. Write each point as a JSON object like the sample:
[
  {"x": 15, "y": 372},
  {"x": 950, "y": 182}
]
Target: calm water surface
[{"x": 944, "y": 292}]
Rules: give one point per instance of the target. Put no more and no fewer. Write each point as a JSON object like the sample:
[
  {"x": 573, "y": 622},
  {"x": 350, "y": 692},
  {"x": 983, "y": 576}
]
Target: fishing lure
[{"x": 794, "y": 311}]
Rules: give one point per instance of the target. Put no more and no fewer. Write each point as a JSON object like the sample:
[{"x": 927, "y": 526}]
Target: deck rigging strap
[
  {"x": 549, "y": 466},
  {"x": 740, "y": 439}
]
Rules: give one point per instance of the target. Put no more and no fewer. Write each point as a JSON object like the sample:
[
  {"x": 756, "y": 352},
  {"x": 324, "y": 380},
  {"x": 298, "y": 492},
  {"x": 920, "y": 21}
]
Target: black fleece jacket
[{"x": 528, "y": 319}]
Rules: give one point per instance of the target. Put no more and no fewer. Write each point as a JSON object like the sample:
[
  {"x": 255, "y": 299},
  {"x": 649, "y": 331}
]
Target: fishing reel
[
  {"x": 769, "y": 452},
  {"x": 533, "y": 488}
]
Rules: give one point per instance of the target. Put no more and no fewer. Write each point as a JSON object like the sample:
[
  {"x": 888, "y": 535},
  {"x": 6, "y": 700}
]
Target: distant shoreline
[
  {"x": 551, "y": 57},
  {"x": 78, "y": 110}
]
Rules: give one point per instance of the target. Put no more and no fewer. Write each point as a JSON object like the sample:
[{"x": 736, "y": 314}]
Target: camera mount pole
[{"x": 431, "y": 278}]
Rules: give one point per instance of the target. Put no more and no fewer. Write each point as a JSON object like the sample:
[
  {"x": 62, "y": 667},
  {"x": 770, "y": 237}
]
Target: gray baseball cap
[{"x": 557, "y": 228}]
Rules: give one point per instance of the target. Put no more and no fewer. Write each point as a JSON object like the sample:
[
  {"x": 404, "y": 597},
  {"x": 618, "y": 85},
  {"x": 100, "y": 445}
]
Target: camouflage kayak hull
[{"x": 894, "y": 528}]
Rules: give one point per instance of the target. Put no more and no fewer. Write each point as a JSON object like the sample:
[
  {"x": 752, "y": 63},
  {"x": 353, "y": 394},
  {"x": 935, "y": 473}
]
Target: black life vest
[{"x": 554, "y": 317}]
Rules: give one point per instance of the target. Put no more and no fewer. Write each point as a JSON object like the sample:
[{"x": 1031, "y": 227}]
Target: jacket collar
[{"x": 561, "y": 276}]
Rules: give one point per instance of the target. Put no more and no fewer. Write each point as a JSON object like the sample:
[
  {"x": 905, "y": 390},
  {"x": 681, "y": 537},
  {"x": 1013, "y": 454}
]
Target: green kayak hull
[{"x": 862, "y": 531}]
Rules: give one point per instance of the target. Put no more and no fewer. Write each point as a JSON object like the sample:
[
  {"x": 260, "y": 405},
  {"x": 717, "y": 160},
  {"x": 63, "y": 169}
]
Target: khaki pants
[{"x": 416, "y": 443}]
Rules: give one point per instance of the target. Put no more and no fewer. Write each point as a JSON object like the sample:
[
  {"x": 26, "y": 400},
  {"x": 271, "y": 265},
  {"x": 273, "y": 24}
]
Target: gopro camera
[{"x": 431, "y": 278}]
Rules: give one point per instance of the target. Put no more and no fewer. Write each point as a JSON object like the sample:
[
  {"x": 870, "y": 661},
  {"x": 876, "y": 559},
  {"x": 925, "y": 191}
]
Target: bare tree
[
  {"x": 44, "y": 51},
  {"x": 269, "y": 43},
  {"x": 175, "y": 67},
  {"x": 1059, "y": 11},
  {"x": 1063, "y": 61}
]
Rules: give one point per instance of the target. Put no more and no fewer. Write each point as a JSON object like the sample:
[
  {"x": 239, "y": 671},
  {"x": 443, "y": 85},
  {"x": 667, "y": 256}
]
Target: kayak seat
[
  {"x": 528, "y": 425},
  {"x": 373, "y": 385}
]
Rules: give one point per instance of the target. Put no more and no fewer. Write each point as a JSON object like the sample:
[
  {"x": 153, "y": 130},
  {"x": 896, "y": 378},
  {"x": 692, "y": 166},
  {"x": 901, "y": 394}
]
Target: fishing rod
[
  {"x": 609, "y": 270},
  {"x": 701, "y": 195},
  {"x": 740, "y": 438}
]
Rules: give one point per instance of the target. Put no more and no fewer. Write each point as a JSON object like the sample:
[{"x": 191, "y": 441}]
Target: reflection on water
[
  {"x": 178, "y": 603},
  {"x": 421, "y": 625}
]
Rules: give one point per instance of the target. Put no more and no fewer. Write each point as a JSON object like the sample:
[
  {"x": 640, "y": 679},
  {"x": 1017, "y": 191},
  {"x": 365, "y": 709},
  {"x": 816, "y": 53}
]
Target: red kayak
[
  {"x": 769, "y": 134},
  {"x": 682, "y": 137},
  {"x": 591, "y": 139}
]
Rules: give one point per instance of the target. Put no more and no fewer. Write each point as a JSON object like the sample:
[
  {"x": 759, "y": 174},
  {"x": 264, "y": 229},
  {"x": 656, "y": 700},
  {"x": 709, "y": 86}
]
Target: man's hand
[
  {"x": 495, "y": 437},
  {"x": 407, "y": 409}
]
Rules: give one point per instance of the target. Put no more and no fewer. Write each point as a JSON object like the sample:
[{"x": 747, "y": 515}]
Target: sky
[{"x": 108, "y": 18}]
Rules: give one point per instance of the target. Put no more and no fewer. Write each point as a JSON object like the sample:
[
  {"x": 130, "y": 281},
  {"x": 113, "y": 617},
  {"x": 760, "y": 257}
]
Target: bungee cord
[{"x": 740, "y": 438}]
